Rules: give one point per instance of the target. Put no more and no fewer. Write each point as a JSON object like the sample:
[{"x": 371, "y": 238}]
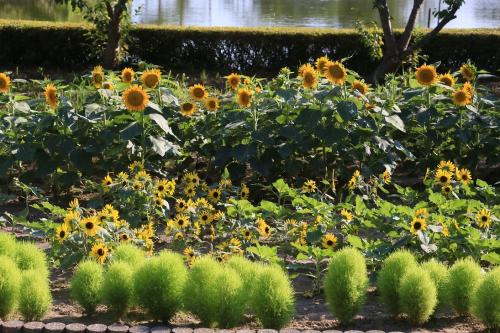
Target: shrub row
[
  {"x": 251, "y": 50},
  {"x": 218, "y": 294},
  {"x": 24, "y": 284}
]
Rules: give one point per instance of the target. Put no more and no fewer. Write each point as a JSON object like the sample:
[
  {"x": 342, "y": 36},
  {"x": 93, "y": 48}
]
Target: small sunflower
[
  {"x": 181, "y": 205},
  {"x": 233, "y": 80},
  {"x": 135, "y": 99},
  {"x": 124, "y": 237},
  {"x": 443, "y": 177},
  {"x": 212, "y": 103},
  {"x": 386, "y": 177},
  {"x": 447, "y": 189},
  {"x": 90, "y": 225},
  {"x": 188, "y": 109},
  {"x": 335, "y": 72},
  {"x": 189, "y": 254},
  {"x": 214, "y": 195},
  {"x": 321, "y": 64},
  {"x": 418, "y": 224},
  {"x": 245, "y": 97},
  {"x": 51, "y": 96},
  {"x": 447, "y": 166},
  {"x": 447, "y": 79},
  {"x": 469, "y": 88},
  {"x": 190, "y": 191},
  {"x": 264, "y": 229},
  {"x": 179, "y": 236},
  {"x": 4, "y": 83},
  {"x": 247, "y": 234},
  {"x": 151, "y": 78},
  {"x": 97, "y": 76},
  {"x": 464, "y": 176},
  {"x": 181, "y": 221},
  {"x": 468, "y": 72},
  {"x": 162, "y": 187},
  {"x": 483, "y": 218},
  {"x": 128, "y": 75},
  {"x": 191, "y": 179},
  {"x": 107, "y": 181},
  {"x": 309, "y": 76},
  {"x": 107, "y": 85},
  {"x": 426, "y": 75},
  {"x": 360, "y": 86},
  {"x": 198, "y": 92},
  {"x": 245, "y": 192},
  {"x": 205, "y": 217},
  {"x": 100, "y": 252},
  {"x": 309, "y": 186},
  {"x": 421, "y": 213},
  {"x": 329, "y": 241},
  {"x": 62, "y": 232},
  {"x": 347, "y": 215},
  {"x": 461, "y": 97}
]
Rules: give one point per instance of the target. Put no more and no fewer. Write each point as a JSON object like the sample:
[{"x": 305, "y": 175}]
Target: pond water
[{"x": 242, "y": 13}]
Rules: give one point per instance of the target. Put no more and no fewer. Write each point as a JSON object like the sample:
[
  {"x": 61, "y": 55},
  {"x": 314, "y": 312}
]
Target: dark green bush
[
  {"x": 129, "y": 253},
  {"x": 273, "y": 299},
  {"x": 346, "y": 283},
  {"x": 117, "y": 288},
  {"x": 464, "y": 277},
  {"x": 393, "y": 269},
  {"x": 7, "y": 244},
  {"x": 9, "y": 286},
  {"x": 439, "y": 274},
  {"x": 30, "y": 257},
  {"x": 486, "y": 300},
  {"x": 35, "y": 298},
  {"x": 86, "y": 285},
  {"x": 417, "y": 295},
  {"x": 159, "y": 283}
]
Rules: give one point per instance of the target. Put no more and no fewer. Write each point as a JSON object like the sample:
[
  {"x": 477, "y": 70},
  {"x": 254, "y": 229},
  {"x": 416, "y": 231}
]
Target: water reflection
[{"x": 320, "y": 13}]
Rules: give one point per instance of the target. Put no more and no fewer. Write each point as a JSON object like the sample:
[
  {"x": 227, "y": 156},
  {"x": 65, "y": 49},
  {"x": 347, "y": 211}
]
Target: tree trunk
[
  {"x": 109, "y": 60},
  {"x": 388, "y": 64}
]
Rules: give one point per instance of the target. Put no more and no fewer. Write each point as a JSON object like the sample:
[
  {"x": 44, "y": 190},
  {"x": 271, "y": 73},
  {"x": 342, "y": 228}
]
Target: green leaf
[
  {"x": 162, "y": 122},
  {"x": 355, "y": 241},
  {"x": 347, "y": 110},
  {"x": 396, "y": 121},
  {"x": 492, "y": 258}
]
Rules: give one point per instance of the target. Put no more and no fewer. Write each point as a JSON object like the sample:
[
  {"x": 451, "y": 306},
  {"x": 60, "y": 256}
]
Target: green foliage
[
  {"x": 248, "y": 272},
  {"x": 130, "y": 254},
  {"x": 117, "y": 288},
  {"x": 417, "y": 295},
  {"x": 35, "y": 298},
  {"x": 7, "y": 244},
  {"x": 86, "y": 285},
  {"x": 464, "y": 276},
  {"x": 9, "y": 286},
  {"x": 439, "y": 275},
  {"x": 389, "y": 277},
  {"x": 345, "y": 284},
  {"x": 273, "y": 300},
  {"x": 159, "y": 283},
  {"x": 29, "y": 257},
  {"x": 486, "y": 299}
]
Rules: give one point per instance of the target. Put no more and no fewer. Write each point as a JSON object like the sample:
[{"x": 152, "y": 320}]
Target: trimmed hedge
[{"x": 249, "y": 50}]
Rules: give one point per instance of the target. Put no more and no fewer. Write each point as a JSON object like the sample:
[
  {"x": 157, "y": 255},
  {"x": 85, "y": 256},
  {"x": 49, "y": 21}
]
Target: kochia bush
[
  {"x": 86, "y": 285},
  {"x": 30, "y": 257},
  {"x": 439, "y": 275},
  {"x": 345, "y": 284},
  {"x": 35, "y": 298},
  {"x": 117, "y": 288},
  {"x": 248, "y": 272},
  {"x": 418, "y": 295},
  {"x": 130, "y": 254},
  {"x": 9, "y": 286},
  {"x": 7, "y": 244},
  {"x": 486, "y": 300},
  {"x": 464, "y": 277}
]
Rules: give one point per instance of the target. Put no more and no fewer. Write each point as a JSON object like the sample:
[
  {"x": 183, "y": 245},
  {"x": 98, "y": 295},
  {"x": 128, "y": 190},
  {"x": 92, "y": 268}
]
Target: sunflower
[
  {"x": 321, "y": 64},
  {"x": 483, "y": 218},
  {"x": 74, "y": 204},
  {"x": 335, "y": 72},
  {"x": 309, "y": 76},
  {"x": 179, "y": 236},
  {"x": 181, "y": 205},
  {"x": 90, "y": 225},
  {"x": 4, "y": 83},
  {"x": 247, "y": 234},
  {"x": 233, "y": 80},
  {"x": 159, "y": 201},
  {"x": 386, "y": 177},
  {"x": 443, "y": 177},
  {"x": 464, "y": 176},
  {"x": 51, "y": 96},
  {"x": 135, "y": 98},
  {"x": 107, "y": 181},
  {"x": 100, "y": 252},
  {"x": 421, "y": 213},
  {"x": 447, "y": 189},
  {"x": 245, "y": 192},
  {"x": 188, "y": 109},
  {"x": 461, "y": 97},
  {"x": 418, "y": 224},
  {"x": 151, "y": 78},
  {"x": 426, "y": 75},
  {"x": 189, "y": 254},
  {"x": 447, "y": 166},
  {"x": 190, "y": 191},
  {"x": 71, "y": 217},
  {"x": 107, "y": 86},
  {"x": 191, "y": 179},
  {"x": 137, "y": 185},
  {"x": 181, "y": 220},
  {"x": 205, "y": 217},
  {"x": 329, "y": 241},
  {"x": 447, "y": 79},
  {"x": 264, "y": 229},
  {"x": 360, "y": 86},
  {"x": 97, "y": 76},
  {"x": 309, "y": 186},
  {"x": 469, "y": 88},
  {"x": 127, "y": 75},
  {"x": 347, "y": 215},
  {"x": 214, "y": 195},
  {"x": 142, "y": 176},
  {"x": 245, "y": 97},
  {"x": 62, "y": 232},
  {"x": 161, "y": 187},
  {"x": 354, "y": 180},
  {"x": 124, "y": 237},
  {"x": 468, "y": 72},
  {"x": 212, "y": 103},
  {"x": 198, "y": 92}
]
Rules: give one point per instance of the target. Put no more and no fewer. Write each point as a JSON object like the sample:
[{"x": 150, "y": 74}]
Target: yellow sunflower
[
  {"x": 51, "y": 96},
  {"x": 321, "y": 64},
  {"x": 107, "y": 86},
  {"x": 468, "y": 72},
  {"x": 214, "y": 195},
  {"x": 245, "y": 97},
  {"x": 426, "y": 75},
  {"x": 233, "y": 80},
  {"x": 447, "y": 79},
  {"x": 347, "y": 215},
  {"x": 198, "y": 92},
  {"x": 181, "y": 205},
  {"x": 181, "y": 221},
  {"x": 443, "y": 177},
  {"x": 151, "y": 78},
  {"x": 329, "y": 241},
  {"x": 100, "y": 252},
  {"x": 188, "y": 109},
  {"x": 191, "y": 179},
  {"x": 264, "y": 229},
  {"x": 245, "y": 192},
  {"x": 128, "y": 75},
  {"x": 107, "y": 181},
  {"x": 97, "y": 76},
  {"x": 205, "y": 217},
  {"x": 469, "y": 88},
  {"x": 360, "y": 86},
  {"x": 483, "y": 218},
  {"x": 335, "y": 72},
  {"x": 309, "y": 76},
  {"x": 124, "y": 237},
  {"x": 4, "y": 83},
  {"x": 447, "y": 166},
  {"x": 447, "y": 189},
  {"x": 90, "y": 225},
  {"x": 418, "y": 224},
  {"x": 421, "y": 213},
  {"x": 212, "y": 103},
  {"x": 461, "y": 97},
  {"x": 190, "y": 191},
  {"x": 135, "y": 98},
  {"x": 464, "y": 176},
  {"x": 309, "y": 186},
  {"x": 189, "y": 254},
  {"x": 386, "y": 177},
  {"x": 162, "y": 187},
  {"x": 247, "y": 234},
  {"x": 62, "y": 232}
]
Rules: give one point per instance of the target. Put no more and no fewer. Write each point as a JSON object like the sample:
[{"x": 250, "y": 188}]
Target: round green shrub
[
  {"x": 129, "y": 253},
  {"x": 35, "y": 298},
  {"x": 248, "y": 272},
  {"x": 9, "y": 286},
  {"x": 86, "y": 285},
  {"x": 439, "y": 275},
  {"x": 486, "y": 300},
  {"x": 7, "y": 244},
  {"x": 345, "y": 284},
  {"x": 30, "y": 257},
  {"x": 159, "y": 283},
  {"x": 273, "y": 299},
  {"x": 393, "y": 269},
  {"x": 417, "y": 295},
  {"x": 117, "y": 288},
  {"x": 464, "y": 276}
]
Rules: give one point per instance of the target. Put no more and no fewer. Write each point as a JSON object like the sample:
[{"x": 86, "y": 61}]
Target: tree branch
[
  {"x": 385, "y": 21},
  {"x": 404, "y": 41}
]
